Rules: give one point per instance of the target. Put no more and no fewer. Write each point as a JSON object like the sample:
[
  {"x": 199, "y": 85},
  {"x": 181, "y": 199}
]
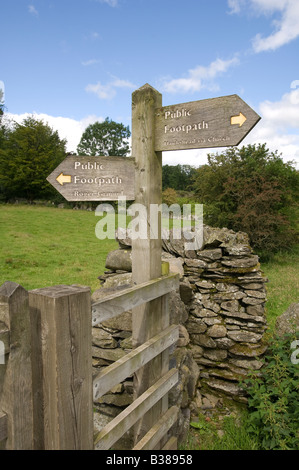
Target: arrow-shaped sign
[
  {"x": 86, "y": 178},
  {"x": 215, "y": 122},
  {"x": 240, "y": 119},
  {"x": 62, "y": 179}
]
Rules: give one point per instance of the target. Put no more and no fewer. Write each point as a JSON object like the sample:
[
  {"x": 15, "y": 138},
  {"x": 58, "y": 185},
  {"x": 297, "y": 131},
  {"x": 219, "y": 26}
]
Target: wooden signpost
[
  {"x": 217, "y": 122},
  {"x": 82, "y": 178}
]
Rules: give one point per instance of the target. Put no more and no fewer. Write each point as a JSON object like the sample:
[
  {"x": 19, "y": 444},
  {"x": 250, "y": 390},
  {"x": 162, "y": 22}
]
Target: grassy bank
[
  {"x": 282, "y": 272},
  {"x": 45, "y": 246}
]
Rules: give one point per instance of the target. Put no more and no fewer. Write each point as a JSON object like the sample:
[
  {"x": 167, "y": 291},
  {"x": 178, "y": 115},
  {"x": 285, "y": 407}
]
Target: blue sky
[{"x": 73, "y": 62}]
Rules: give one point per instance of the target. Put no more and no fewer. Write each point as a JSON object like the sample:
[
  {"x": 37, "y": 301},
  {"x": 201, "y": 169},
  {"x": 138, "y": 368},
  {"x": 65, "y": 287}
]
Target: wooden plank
[
  {"x": 63, "y": 383},
  {"x": 94, "y": 178},
  {"x": 172, "y": 444},
  {"x": 127, "y": 418},
  {"x": 3, "y": 426},
  {"x": 159, "y": 430},
  {"x": 126, "y": 366},
  {"x": 16, "y": 399},
  {"x": 126, "y": 299},
  {"x": 214, "y": 122},
  {"x": 146, "y": 253}
]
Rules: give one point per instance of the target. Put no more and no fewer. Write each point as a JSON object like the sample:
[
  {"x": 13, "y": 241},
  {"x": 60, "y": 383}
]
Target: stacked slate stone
[
  {"x": 224, "y": 289},
  {"x": 221, "y": 311}
]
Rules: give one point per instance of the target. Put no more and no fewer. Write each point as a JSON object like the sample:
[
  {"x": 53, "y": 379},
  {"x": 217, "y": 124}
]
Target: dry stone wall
[{"x": 220, "y": 308}]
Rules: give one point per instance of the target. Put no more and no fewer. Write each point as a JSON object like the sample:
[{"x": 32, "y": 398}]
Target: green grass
[
  {"x": 228, "y": 433},
  {"x": 283, "y": 287},
  {"x": 45, "y": 246}
]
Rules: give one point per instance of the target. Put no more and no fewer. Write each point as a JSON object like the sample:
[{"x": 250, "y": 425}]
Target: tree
[
  {"x": 169, "y": 196},
  {"x": 178, "y": 177},
  {"x": 105, "y": 138},
  {"x": 1, "y": 100},
  {"x": 253, "y": 190},
  {"x": 29, "y": 153}
]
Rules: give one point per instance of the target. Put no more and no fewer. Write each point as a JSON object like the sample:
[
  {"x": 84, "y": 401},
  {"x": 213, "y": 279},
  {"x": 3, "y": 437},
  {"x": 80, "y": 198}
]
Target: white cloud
[
  {"x": 235, "y": 5},
  {"x": 111, "y": 3},
  {"x": 32, "y": 10},
  {"x": 279, "y": 126},
  {"x": 67, "y": 128},
  {"x": 198, "y": 78},
  {"x": 286, "y": 29},
  {"x": 87, "y": 63},
  {"x": 108, "y": 91}
]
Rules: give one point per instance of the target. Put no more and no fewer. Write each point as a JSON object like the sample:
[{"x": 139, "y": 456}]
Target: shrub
[
  {"x": 252, "y": 190},
  {"x": 273, "y": 398}
]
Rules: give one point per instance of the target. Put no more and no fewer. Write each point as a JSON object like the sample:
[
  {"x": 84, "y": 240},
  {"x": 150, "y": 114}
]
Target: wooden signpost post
[{"x": 217, "y": 122}]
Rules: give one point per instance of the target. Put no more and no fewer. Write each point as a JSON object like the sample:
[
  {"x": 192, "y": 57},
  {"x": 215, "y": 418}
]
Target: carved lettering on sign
[
  {"x": 216, "y": 122},
  {"x": 83, "y": 178}
]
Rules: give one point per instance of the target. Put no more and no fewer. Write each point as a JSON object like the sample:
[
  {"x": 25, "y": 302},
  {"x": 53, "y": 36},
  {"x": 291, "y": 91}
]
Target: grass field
[
  {"x": 46, "y": 246},
  {"x": 283, "y": 286}
]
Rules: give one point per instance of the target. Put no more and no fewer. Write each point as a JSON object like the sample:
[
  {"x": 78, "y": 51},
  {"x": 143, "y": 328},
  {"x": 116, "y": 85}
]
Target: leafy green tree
[
  {"x": 253, "y": 190},
  {"x": 105, "y": 138},
  {"x": 1, "y": 101},
  {"x": 28, "y": 154},
  {"x": 169, "y": 196},
  {"x": 178, "y": 177}
]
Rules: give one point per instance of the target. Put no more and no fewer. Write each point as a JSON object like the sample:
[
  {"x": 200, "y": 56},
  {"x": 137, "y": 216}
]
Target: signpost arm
[{"x": 146, "y": 254}]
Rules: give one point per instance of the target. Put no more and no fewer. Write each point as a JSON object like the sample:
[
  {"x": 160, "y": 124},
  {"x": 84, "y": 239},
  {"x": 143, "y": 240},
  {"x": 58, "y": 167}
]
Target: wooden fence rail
[
  {"x": 109, "y": 307},
  {"x": 126, "y": 299},
  {"x": 46, "y": 384}
]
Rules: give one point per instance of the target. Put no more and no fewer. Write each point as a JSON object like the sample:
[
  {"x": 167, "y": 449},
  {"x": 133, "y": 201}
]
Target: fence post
[
  {"x": 16, "y": 397},
  {"x": 62, "y": 368},
  {"x": 146, "y": 253}
]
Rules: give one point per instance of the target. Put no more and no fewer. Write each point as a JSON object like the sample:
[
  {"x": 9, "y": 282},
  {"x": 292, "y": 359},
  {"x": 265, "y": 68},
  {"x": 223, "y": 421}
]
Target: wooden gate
[
  {"x": 46, "y": 385},
  {"x": 158, "y": 345}
]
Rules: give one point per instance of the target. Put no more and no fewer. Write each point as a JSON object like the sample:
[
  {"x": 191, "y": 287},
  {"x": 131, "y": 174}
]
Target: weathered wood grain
[
  {"x": 94, "y": 178},
  {"x": 127, "y": 418},
  {"x": 159, "y": 430},
  {"x": 126, "y": 366},
  {"x": 172, "y": 444},
  {"x": 16, "y": 399},
  {"x": 209, "y": 123},
  {"x": 61, "y": 317},
  {"x": 3, "y": 426},
  {"x": 146, "y": 253},
  {"x": 126, "y": 299}
]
